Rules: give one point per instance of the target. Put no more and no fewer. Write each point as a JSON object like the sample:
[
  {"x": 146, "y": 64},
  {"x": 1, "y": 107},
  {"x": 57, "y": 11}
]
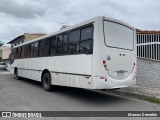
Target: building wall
[
  {"x": 5, "y": 52},
  {"x": 24, "y": 38},
  {"x": 148, "y": 52},
  {"x": 148, "y": 73},
  {"x": 29, "y": 37},
  {"x": 148, "y": 46},
  {"x": 18, "y": 41}
]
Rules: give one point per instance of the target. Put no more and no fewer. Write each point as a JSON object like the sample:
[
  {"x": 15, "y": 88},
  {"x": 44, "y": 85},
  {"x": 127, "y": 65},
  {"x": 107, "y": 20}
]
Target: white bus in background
[{"x": 99, "y": 53}]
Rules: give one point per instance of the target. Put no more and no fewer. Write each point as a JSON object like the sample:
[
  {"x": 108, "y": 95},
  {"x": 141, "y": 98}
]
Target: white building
[{"x": 148, "y": 52}]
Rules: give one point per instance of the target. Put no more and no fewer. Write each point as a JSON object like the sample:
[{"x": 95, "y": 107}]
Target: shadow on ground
[{"x": 89, "y": 96}]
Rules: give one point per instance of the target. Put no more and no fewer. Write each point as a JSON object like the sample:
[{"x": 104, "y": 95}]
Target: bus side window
[
  {"x": 59, "y": 50},
  {"x": 19, "y": 53},
  {"x": 53, "y": 44},
  {"x": 86, "y": 43},
  {"x": 23, "y": 50},
  {"x": 86, "y": 47},
  {"x": 12, "y": 56},
  {"x": 36, "y": 49},
  {"x": 65, "y": 44},
  {"x": 32, "y": 50},
  {"x": 27, "y": 50},
  {"x": 74, "y": 38},
  {"x": 16, "y": 53},
  {"x": 46, "y": 47},
  {"x": 40, "y": 48}
]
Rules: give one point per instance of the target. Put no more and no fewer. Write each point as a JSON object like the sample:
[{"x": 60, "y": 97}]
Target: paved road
[{"x": 28, "y": 95}]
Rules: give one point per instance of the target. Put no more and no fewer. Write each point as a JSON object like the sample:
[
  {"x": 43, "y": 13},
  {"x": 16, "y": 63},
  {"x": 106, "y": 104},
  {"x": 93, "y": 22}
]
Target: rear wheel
[{"x": 46, "y": 82}]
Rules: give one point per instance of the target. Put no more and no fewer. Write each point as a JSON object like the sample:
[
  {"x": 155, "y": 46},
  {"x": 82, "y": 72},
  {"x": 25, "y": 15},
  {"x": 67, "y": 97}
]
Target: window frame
[
  {"x": 41, "y": 48},
  {"x": 121, "y": 25},
  {"x": 53, "y": 46},
  {"x": 89, "y": 39},
  {"x": 31, "y": 55},
  {"x": 29, "y": 50}
]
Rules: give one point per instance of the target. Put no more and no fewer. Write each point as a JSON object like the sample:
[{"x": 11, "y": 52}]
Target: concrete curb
[
  {"x": 126, "y": 94},
  {"x": 137, "y": 92}
]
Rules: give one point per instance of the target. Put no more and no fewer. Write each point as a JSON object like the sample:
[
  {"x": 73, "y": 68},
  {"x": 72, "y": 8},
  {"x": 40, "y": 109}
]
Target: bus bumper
[{"x": 110, "y": 83}]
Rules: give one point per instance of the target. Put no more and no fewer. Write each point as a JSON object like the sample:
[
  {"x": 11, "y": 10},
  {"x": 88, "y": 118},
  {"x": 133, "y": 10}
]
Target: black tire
[
  {"x": 46, "y": 82},
  {"x": 16, "y": 74}
]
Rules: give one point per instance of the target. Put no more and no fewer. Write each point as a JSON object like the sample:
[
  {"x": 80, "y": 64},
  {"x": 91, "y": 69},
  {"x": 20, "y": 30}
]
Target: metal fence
[{"x": 148, "y": 46}]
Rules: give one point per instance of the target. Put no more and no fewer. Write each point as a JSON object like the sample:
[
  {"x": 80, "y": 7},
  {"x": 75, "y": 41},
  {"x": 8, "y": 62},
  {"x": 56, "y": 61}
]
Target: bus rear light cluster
[
  {"x": 104, "y": 62},
  {"x": 105, "y": 65},
  {"x": 103, "y": 78}
]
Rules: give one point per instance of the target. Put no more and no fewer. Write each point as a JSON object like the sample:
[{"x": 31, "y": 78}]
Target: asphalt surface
[{"x": 28, "y": 95}]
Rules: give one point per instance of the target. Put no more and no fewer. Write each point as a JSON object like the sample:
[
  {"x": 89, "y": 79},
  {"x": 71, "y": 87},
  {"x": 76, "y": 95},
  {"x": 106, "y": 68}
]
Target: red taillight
[
  {"x": 104, "y": 62},
  {"x": 105, "y": 65},
  {"x": 101, "y": 77}
]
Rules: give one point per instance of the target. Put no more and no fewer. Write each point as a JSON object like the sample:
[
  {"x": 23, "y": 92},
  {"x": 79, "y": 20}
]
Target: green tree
[{"x": 1, "y": 43}]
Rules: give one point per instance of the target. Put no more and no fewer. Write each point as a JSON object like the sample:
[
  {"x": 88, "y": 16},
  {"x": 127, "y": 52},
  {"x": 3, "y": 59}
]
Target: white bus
[{"x": 99, "y": 53}]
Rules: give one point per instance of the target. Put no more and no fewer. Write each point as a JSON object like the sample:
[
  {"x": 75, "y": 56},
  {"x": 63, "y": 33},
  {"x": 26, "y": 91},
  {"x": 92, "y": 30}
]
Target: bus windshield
[{"x": 118, "y": 35}]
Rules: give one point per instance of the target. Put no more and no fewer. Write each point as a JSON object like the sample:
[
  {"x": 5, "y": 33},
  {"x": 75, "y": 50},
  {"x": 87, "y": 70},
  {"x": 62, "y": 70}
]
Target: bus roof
[{"x": 92, "y": 20}]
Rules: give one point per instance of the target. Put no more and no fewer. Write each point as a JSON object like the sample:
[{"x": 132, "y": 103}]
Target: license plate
[{"x": 120, "y": 73}]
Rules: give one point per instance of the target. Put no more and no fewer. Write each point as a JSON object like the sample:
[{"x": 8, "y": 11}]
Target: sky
[{"x": 47, "y": 16}]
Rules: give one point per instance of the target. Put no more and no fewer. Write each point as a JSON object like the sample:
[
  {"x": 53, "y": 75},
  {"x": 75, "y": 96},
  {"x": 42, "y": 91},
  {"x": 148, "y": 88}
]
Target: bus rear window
[{"x": 118, "y": 36}]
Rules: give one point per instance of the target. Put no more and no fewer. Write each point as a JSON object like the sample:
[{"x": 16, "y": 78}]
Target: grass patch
[{"x": 152, "y": 99}]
